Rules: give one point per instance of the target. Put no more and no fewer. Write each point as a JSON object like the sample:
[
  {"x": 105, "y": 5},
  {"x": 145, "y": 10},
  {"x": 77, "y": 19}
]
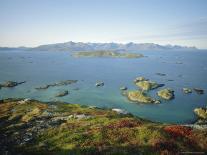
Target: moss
[
  {"x": 166, "y": 94},
  {"x": 139, "y": 96}
]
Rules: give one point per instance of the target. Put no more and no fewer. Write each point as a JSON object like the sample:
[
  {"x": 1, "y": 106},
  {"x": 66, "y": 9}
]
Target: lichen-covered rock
[
  {"x": 166, "y": 94},
  {"x": 147, "y": 85},
  {"x": 201, "y": 112},
  {"x": 139, "y": 96}
]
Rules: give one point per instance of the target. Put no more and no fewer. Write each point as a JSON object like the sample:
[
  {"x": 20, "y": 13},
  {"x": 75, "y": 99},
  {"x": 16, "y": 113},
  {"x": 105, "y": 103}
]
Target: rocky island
[
  {"x": 10, "y": 84},
  {"x": 106, "y": 53},
  {"x": 61, "y": 83},
  {"x": 166, "y": 94},
  {"x": 33, "y": 127},
  {"x": 141, "y": 97}
]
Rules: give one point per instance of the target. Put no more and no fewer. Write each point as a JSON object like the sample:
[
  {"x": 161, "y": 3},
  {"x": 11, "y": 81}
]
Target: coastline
[{"x": 62, "y": 128}]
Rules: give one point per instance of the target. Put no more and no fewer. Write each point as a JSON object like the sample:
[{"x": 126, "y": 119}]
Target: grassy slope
[{"x": 103, "y": 132}]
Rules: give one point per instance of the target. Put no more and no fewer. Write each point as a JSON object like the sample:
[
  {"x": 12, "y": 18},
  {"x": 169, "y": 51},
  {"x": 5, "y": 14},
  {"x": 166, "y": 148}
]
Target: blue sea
[{"x": 38, "y": 68}]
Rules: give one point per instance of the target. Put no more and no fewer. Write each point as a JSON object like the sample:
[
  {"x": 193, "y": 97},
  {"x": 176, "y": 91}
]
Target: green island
[
  {"x": 33, "y": 127},
  {"x": 166, "y": 94},
  {"x": 106, "y": 53},
  {"x": 141, "y": 97}
]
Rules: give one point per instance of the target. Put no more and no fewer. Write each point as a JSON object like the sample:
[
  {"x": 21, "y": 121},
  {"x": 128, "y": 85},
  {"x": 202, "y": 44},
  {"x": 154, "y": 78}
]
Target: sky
[{"x": 36, "y": 22}]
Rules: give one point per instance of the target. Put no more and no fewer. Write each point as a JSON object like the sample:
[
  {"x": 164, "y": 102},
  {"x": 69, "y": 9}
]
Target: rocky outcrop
[
  {"x": 11, "y": 84},
  {"x": 62, "y": 93},
  {"x": 201, "y": 112},
  {"x": 61, "y": 83}
]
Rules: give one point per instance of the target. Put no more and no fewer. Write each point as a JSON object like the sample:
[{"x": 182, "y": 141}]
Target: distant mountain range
[{"x": 80, "y": 46}]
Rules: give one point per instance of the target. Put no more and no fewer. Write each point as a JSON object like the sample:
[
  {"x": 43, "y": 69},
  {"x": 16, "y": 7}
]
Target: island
[
  {"x": 106, "y": 53},
  {"x": 34, "y": 127}
]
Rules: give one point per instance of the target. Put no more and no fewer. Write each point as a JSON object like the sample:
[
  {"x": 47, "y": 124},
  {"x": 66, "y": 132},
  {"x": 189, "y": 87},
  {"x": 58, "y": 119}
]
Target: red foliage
[
  {"x": 166, "y": 146},
  {"x": 124, "y": 123},
  {"x": 178, "y": 131}
]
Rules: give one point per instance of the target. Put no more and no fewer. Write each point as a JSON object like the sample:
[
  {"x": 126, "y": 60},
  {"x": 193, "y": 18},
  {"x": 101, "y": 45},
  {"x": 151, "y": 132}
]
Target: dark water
[{"x": 39, "y": 68}]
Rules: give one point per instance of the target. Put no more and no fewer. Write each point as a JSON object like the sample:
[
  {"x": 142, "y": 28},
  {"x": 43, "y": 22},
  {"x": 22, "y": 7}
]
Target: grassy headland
[{"x": 34, "y": 127}]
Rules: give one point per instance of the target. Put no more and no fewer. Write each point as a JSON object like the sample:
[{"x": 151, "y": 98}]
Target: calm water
[{"x": 40, "y": 68}]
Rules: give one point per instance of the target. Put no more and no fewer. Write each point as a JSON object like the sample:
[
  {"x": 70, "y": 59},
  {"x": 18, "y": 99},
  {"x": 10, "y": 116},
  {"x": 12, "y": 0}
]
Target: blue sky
[{"x": 35, "y": 22}]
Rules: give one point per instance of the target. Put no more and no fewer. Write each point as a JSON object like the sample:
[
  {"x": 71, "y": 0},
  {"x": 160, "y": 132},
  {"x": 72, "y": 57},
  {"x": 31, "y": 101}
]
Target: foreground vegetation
[{"x": 33, "y": 127}]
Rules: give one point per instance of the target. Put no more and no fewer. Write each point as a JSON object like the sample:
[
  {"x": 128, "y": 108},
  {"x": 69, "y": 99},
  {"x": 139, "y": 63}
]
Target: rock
[
  {"x": 157, "y": 102},
  {"x": 98, "y": 84},
  {"x": 166, "y": 94},
  {"x": 24, "y": 101},
  {"x": 148, "y": 85},
  {"x": 82, "y": 116},
  {"x": 139, "y": 96},
  {"x": 123, "y": 88},
  {"x": 63, "y": 93},
  {"x": 138, "y": 79},
  {"x": 43, "y": 87},
  {"x": 11, "y": 84},
  {"x": 187, "y": 90},
  {"x": 161, "y": 74},
  {"x": 61, "y": 83},
  {"x": 67, "y": 82},
  {"x": 201, "y": 112},
  {"x": 120, "y": 111},
  {"x": 198, "y": 90}
]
